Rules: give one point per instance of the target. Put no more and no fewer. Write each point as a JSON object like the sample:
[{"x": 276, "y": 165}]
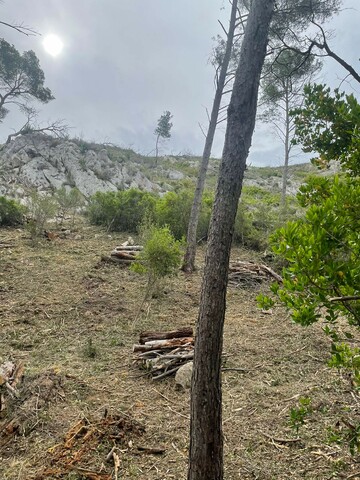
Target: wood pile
[
  {"x": 125, "y": 253},
  {"x": 10, "y": 375},
  {"x": 251, "y": 273},
  {"x": 163, "y": 353}
]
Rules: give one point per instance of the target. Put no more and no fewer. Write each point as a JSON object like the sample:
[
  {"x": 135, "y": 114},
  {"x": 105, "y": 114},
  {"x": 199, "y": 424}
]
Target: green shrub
[
  {"x": 11, "y": 212},
  {"x": 258, "y": 216},
  {"x": 121, "y": 211},
  {"x": 174, "y": 208},
  {"x": 161, "y": 255}
]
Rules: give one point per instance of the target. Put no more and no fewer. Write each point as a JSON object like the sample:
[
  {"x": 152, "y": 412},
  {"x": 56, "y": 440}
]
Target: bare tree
[
  {"x": 206, "y": 443},
  {"x": 221, "y": 77},
  {"x": 58, "y": 128}
]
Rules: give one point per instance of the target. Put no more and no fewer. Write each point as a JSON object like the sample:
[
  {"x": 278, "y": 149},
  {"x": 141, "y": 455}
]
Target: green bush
[
  {"x": 121, "y": 211},
  {"x": 173, "y": 210},
  {"x": 161, "y": 255},
  {"x": 11, "y": 212},
  {"x": 258, "y": 216}
]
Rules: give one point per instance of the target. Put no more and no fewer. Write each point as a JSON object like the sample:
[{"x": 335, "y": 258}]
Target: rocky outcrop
[{"x": 47, "y": 163}]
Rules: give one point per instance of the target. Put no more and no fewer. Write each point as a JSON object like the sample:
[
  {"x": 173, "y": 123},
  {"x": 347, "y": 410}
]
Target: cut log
[
  {"x": 117, "y": 260},
  {"x": 149, "y": 335},
  {"x": 129, "y": 248},
  {"x": 164, "y": 344},
  {"x": 123, "y": 255}
]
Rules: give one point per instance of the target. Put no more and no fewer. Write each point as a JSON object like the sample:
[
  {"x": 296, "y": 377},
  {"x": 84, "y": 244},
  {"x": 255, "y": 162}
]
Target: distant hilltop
[{"x": 47, "y": 163}]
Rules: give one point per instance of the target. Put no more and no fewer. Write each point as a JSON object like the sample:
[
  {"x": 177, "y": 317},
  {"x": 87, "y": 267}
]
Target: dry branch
[
  {"x": 241, "y": 272},
  {"x": 152, "y": 450}
]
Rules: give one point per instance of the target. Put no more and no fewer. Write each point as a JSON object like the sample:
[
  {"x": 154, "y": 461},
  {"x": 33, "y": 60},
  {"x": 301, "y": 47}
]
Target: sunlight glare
[{"x": 53, "y": 45}]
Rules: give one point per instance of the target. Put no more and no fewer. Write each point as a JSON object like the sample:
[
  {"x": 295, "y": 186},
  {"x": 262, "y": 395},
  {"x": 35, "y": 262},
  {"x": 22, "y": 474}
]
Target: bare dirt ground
[{"x": 73, "y": 320}]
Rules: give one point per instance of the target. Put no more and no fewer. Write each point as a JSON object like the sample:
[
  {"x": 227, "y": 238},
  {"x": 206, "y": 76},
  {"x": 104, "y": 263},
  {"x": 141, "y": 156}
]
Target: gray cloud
[{"x": 126, "y": 61}]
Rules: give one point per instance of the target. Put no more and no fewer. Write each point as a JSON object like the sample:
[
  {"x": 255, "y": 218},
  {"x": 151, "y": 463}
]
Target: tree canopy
[
  {"x": 322, "y": 250},
  {"x": 21, "y": 78},
  {"x": 329, "y": 124}
]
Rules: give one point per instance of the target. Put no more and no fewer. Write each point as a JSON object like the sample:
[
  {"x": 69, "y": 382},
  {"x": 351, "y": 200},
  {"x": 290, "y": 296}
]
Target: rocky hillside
[{"x": 47, "y": 163}]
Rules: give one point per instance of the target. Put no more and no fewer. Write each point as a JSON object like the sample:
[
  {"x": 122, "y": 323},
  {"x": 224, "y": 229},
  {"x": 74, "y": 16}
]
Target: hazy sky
[{"x": 125, "y": 62}]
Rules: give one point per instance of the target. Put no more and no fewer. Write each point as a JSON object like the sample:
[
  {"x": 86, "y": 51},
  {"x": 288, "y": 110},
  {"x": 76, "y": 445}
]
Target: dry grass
[{"x": 63, "y": 311}]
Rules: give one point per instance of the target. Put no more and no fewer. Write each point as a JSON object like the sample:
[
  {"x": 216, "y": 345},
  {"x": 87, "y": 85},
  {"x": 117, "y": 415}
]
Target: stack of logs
[
  {"x": 249, "y": 272},
  {"x": 125, "y": 254},
  {"x": 163, "y": 353}
]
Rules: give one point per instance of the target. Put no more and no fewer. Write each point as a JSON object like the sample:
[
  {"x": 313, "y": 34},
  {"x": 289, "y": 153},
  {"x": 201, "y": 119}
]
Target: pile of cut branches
[
  {"x": 10, "y": 375},
  {"x": 163, "y": 353},
  {"x": 21, "y": 408},
  {"x": 77, "y": 453},
  {"x": 126, "y": 253},
  {"x": 241, "y": 272}
]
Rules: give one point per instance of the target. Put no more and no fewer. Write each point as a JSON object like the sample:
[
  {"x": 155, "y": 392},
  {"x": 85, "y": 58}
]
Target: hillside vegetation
[
  {"x": 120, "y": 186},
  {"x": 49, "y": 163}
]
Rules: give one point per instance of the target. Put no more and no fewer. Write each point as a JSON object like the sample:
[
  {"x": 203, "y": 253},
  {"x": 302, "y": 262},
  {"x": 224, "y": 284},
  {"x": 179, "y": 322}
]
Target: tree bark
[
  {"x": 189, "y": 258},
  {"x": 206, "y": 442},
  {"x": 287, "y": 148}
]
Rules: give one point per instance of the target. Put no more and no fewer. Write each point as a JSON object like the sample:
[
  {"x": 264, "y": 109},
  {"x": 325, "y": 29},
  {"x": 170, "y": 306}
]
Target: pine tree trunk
[
  {"x": 287, "y": 148},
  {"x": 206, "y": 442},
  {"x": 189, "y": 258}
]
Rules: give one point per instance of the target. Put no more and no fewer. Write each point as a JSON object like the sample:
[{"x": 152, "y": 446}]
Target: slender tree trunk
[
  {"x": 189, "y": 258},
  {"x": 206, "y": 442},
  {"x": 157, "y": 149},
  {"x": 287, "y": 148}
]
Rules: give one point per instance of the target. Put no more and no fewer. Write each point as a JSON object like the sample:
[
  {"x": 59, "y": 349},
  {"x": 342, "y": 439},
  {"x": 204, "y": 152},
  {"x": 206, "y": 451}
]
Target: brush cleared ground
[{"x": 73, "y": 319}]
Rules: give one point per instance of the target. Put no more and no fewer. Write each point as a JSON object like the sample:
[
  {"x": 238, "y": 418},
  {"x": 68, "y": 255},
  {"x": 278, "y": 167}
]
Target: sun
[{"x": 53, "y": 45}]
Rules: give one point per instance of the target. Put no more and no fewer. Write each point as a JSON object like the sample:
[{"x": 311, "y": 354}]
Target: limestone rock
[
  {"x": 47, "y": 163},
  {"x": 183, "y": 376}
]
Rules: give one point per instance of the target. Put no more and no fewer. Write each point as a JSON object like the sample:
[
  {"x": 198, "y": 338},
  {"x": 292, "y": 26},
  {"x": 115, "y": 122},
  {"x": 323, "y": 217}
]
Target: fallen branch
[
  {"x": 152, "y": 450},
  {"x": 249, "y": 271}
]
